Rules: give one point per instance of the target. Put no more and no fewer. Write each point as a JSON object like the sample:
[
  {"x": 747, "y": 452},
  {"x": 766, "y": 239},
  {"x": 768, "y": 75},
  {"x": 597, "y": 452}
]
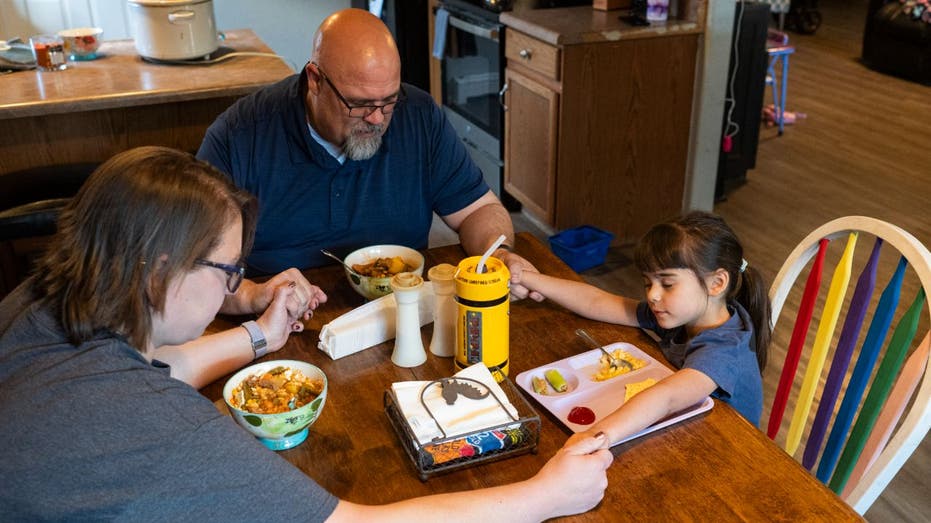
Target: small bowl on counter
[{"x": 81, "y": 43}]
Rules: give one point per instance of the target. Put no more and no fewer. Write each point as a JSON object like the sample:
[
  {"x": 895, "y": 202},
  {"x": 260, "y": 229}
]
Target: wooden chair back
[{"x": 862, "y": 423}]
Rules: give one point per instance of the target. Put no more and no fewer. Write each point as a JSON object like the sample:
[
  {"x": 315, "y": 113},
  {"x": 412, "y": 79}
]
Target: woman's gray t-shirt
[{"x": 96, "y": 432}]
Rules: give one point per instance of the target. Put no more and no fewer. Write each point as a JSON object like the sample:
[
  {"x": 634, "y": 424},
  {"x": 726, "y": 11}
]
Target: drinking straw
[{"x": 480, "y": 268}]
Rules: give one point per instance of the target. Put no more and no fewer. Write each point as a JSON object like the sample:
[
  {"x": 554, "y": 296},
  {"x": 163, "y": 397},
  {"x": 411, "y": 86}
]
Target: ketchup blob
[{"x": 581, "y": 416}]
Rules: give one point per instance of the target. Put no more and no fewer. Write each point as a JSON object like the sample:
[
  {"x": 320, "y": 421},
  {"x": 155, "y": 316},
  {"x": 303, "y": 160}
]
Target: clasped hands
[
  {"x": 287, "y": 300},
  {"x": 516, "y": 266}
]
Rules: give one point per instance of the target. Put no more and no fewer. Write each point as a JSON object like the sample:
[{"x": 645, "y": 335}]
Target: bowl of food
[
  {"x": 81, "y": 43},
  {"x": 276, "y": 401},
  {"x": 373, "y": 267}
]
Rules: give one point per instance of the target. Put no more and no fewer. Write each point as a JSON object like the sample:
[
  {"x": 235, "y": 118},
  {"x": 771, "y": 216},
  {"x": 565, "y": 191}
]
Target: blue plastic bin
[{"x": 581, "y": 247}]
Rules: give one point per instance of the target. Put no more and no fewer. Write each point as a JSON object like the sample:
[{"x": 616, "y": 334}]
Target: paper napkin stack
[{"x": 464, "y": 416}]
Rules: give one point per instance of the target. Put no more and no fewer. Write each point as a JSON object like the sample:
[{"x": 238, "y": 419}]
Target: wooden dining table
[{"x": 712, "y": 467}]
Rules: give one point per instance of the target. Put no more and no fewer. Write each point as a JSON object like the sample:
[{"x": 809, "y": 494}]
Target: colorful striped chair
[{"x": 859, "y": 423}]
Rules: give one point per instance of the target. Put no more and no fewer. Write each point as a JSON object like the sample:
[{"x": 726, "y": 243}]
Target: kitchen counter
[
  {"x": 97, "y": 108},
  {"x": 576, "y": 25},
  {"x": 121, "y": 78}
]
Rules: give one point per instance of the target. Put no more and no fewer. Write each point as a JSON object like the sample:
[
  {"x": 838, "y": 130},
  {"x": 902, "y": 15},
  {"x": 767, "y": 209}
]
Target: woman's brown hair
[
  {"x": 140, "y": 219},
  {"x": 703, "y": 243}
]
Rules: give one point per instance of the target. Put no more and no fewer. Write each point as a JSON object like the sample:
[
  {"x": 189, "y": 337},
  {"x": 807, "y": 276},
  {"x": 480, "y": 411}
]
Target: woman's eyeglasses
[
  {"x": 362, "y": 111},
  {"x": 234, "y": 273}
]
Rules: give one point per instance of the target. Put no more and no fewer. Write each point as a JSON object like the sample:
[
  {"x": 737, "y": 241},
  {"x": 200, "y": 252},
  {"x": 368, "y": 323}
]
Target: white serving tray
[{"x": 602, "y": 397}]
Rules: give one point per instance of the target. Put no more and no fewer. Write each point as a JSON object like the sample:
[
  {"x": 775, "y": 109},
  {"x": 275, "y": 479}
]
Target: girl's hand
[{"x": 517, "y": 265}]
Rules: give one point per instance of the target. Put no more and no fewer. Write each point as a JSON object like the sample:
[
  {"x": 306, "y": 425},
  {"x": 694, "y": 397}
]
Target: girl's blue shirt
[{"x": 725, "y": 354}]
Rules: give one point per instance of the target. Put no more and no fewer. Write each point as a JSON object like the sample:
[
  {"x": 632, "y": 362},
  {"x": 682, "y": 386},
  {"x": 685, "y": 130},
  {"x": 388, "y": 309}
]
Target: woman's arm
[
  {"x": 571, "y": 482},
  {"x": 203, "y": 360},
  {"x": 673, "y": 394},
  {"x": 583, "y": 299}
]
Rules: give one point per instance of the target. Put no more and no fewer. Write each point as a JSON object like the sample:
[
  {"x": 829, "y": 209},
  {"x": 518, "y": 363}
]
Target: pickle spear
[
  {"x": 539, "y": 384},
  {"x": 556, "y": 380}
]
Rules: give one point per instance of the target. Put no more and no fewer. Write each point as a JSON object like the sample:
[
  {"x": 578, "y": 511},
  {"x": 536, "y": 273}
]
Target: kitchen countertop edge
[{"x": 580, "y": 25}]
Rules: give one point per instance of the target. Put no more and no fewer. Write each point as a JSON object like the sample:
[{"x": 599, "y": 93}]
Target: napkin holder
[{"x": 443, "y": 454}]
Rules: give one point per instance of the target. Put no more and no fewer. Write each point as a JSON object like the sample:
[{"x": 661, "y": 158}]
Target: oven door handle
[
  {"x": 503, "y": 90},
  {"x": 490, "y": 33}
]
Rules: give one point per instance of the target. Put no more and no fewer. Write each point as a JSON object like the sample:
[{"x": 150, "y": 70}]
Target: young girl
[{"x": 709, "y": 307}]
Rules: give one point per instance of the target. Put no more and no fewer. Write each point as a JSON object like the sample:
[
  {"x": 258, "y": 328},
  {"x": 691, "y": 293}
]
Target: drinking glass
[{"x": 49, "y": 52}]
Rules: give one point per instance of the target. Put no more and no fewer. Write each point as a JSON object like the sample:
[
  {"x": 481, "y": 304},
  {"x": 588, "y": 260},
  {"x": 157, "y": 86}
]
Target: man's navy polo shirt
[{"x": 308, "y": 201}]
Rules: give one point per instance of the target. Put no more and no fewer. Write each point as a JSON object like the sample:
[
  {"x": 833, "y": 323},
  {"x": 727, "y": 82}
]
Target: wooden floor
[{"x": 862, "y": 150}]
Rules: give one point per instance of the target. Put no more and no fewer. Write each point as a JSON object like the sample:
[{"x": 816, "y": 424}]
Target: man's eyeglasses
[
  {"x": 362, "y": 111},
  {"x": 234, "y": 273}
]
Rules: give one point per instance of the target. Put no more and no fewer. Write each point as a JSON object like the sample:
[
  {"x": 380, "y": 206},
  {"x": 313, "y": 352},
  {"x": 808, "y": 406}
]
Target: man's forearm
[{"x": 483, "y": 227}]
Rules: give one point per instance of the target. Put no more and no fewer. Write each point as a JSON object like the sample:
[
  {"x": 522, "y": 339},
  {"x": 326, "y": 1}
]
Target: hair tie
[{"x": 743, "y": 265}]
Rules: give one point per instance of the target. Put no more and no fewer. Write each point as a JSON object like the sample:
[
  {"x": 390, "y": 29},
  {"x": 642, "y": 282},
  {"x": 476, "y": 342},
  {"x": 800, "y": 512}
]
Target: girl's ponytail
[{"x": 753, "y": 295}]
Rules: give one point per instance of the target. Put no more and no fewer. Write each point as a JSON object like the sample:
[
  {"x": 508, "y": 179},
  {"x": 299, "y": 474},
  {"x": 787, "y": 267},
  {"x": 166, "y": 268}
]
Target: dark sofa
[{"x": 896, "y": 43}]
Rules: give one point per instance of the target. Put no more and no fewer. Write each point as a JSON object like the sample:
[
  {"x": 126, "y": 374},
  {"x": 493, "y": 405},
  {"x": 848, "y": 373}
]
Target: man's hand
[{"x": 517, "y": 265}]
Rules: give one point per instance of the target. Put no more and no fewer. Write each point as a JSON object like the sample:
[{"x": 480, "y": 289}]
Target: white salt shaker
[
  {"x": 443, "y": 342},
  {"x": 408, "y": 345}
]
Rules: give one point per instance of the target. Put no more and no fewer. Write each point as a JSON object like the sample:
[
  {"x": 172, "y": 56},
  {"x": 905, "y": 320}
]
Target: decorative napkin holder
[{"x": 515, "y": 431}]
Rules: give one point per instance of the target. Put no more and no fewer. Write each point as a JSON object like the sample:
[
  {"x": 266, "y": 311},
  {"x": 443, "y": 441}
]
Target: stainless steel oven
[{"x": 470, "y": 41}]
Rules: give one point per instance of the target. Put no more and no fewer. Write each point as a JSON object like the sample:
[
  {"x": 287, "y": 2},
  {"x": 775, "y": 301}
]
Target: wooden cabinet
[
  {"x": 597, "y": 120},
  {"x": 530, "y": 144}
]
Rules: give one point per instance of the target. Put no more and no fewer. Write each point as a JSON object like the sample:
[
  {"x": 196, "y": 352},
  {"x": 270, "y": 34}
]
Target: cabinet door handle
[
  {"x": 503, "y": 90},
  {"x": 526, "y": 54}
]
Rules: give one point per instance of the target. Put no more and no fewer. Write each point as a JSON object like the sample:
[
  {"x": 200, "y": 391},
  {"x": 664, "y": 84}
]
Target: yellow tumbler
[{"x": 482, "y": 324}]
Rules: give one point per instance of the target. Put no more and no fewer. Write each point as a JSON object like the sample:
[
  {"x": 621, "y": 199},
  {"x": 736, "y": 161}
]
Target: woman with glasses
[
  {"x": 96, "y": 429},
  {"x": 344, "y": 155}
]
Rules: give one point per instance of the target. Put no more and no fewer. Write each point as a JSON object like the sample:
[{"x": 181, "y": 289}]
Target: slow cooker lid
[{"x": 168, "y": 3}]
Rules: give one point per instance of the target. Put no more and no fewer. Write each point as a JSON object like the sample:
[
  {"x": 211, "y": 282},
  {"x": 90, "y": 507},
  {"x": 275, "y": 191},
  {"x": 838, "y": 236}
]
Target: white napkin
[
  {"x": 370, "y": 324},
  {"x": 464, "y": 416}
]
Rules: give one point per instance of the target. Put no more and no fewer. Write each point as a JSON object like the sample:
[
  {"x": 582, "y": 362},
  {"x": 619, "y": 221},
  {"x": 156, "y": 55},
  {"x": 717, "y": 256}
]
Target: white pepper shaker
[
  {"x": 443, "y": 342},
  {"x": 408, "y": 345}
]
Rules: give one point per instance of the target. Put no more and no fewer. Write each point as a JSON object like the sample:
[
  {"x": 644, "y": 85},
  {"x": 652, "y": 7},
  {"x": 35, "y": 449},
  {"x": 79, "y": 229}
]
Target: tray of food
[{"x": 586, "y": 387}]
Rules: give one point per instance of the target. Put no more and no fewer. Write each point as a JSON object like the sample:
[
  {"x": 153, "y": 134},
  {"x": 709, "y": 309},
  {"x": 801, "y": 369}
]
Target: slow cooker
[{"x": 173, "y": 29}]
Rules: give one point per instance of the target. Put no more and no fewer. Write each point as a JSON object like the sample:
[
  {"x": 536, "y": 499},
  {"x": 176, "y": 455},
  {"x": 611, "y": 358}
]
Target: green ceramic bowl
[
  {"x": 286, "y": 429},
  {"x": 372, "y": 288}
]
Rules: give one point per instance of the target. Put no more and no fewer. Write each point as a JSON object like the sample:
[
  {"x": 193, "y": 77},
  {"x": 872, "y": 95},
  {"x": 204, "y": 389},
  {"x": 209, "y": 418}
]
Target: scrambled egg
[{"x": 606, "y": 371}]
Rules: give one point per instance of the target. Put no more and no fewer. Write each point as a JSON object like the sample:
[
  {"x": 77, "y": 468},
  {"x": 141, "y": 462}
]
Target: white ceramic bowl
[
  {"x": 371, "y": 288},
  {"x": 286, "y": 429},
  {"x": 82, "y": 43}
]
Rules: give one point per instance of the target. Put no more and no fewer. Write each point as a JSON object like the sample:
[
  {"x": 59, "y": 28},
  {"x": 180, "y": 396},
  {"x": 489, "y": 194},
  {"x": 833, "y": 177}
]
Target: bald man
[{"x": 344, "y": 155}]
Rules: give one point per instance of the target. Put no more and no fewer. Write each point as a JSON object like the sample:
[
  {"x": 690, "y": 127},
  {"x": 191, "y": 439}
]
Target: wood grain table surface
[
  {"x": 713, "y": 467},
  {"x": 97, "y": 108}
]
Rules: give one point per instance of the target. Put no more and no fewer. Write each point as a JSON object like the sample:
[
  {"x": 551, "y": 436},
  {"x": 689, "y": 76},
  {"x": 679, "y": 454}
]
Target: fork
[{"x": 615, "y": 362}]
